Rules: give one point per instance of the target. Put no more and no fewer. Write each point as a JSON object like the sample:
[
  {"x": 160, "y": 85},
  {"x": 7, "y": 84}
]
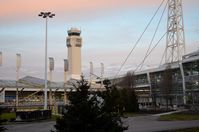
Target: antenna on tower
[{"x": 175, "y": 41}]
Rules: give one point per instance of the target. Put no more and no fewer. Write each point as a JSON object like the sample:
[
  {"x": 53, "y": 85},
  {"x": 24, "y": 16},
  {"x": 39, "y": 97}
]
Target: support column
[
  {"x": 183, "y": 82},
  {"x": 149, "y": 81}
]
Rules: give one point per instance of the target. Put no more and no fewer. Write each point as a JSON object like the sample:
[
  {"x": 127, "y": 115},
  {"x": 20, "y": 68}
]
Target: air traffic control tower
[{"x": 74, "y": 44}]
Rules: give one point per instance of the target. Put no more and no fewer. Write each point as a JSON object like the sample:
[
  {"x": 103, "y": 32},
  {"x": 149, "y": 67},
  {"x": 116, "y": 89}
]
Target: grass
[
  {"x": 54, "y": 117},
  {"x": 130, "y": 114},
  {"x": 8, "y": 116},
  {"x": 196, "y": 129},
  {"x": 11, "y": 117},
  {"x": 179, "y": 117}
]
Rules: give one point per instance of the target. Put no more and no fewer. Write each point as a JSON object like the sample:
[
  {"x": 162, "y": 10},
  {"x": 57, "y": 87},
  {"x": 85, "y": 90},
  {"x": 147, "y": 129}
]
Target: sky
[{"x": 109, "y": 28}]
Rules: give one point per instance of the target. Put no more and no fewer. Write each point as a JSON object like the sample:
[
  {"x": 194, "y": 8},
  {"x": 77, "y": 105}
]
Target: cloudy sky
[{"x": 109, "y": 30}]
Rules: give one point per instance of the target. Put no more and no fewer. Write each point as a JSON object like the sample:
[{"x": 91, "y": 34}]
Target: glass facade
[
  {"x": 191, "y": 71},
  {"x": 150, "y": 89},
  {"x": 141, "y": 79}
]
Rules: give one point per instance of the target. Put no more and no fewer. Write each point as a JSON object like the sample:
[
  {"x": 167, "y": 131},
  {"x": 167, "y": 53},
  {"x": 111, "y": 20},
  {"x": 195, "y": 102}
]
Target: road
[
  {"x": 31, "y": 127},
  {"x": 136, "y": 124},
  {"x": 151, "y": 124}
]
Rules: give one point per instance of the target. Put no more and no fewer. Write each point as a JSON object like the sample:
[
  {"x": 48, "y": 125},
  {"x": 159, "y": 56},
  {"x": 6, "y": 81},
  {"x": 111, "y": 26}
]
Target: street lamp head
[
  {"x": 51, "y": 15},
  {"x": 41, "y": 14},
  {"x": 46, "y": 14}
]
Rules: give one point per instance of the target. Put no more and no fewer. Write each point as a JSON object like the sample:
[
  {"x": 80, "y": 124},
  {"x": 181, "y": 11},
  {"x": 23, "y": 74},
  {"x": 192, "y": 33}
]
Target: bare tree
[
  {"x": 128, "y": 81},
  {"x": 128, "y": 98},
  {"x": 167, "y": 86}
]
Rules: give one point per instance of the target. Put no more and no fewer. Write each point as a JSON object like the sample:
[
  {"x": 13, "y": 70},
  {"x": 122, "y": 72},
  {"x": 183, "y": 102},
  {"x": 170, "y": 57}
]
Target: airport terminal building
[
  {"x": 149, "y": 85},
  {"x": 184, "y": 89}
]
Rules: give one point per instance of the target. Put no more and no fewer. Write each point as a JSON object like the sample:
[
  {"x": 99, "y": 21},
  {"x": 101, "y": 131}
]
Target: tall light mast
[{"x": 175, "y": 42}]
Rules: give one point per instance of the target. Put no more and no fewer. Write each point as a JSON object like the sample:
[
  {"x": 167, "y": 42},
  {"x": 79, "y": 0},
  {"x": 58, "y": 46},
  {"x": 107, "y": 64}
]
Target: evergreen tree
[
  {"x": 89, "y": 112},
  {"x": 111, "y": 97}
]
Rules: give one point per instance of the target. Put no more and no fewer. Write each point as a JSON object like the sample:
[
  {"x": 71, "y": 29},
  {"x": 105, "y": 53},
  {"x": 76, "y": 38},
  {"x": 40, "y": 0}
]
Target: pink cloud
[
  {"x": 24, "y": 7},
  {"x": 11, "y": 8}
]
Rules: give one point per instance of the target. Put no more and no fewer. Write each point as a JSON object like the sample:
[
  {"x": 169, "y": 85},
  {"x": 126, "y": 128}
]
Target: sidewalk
[
  {"x": 151, "y": 123},
  {"x": 168, "y": 113}
]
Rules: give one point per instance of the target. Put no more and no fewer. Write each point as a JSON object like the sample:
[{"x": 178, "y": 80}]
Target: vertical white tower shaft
[{"x": 175, "y": 43}]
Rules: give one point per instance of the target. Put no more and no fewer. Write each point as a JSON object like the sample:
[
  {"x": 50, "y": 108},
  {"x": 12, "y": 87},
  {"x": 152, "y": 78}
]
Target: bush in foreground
[{"x": 89, "y": 112}]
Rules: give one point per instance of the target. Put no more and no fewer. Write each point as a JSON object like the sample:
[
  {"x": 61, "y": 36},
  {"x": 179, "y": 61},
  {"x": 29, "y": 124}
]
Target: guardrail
[{"x": 33, "y": 115}]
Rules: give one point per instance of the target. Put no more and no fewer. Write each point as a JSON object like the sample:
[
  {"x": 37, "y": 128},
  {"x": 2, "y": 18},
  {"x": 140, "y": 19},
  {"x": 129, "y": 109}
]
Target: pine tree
[{"x": 88, "y": 112}]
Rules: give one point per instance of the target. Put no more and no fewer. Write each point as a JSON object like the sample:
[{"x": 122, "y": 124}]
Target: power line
[
  {"x": 151, "y": 42},
  {"x": 157, "y": 43},
  {"x": 138, "y": 39}
]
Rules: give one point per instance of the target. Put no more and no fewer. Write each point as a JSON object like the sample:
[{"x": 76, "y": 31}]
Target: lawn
[
  {"x": 54, "y": 117},
  {"x": 180, "y": 117},
  {"x": 8, "y": 116}
]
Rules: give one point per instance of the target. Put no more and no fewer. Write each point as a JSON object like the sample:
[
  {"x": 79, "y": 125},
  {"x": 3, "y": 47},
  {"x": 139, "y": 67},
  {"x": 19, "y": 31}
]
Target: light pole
[
  {"x": 46, "y": 15},
  {"x": 1, "y": 58},
  {"x": 18, "y": 66},
  {"x": 102, "y": 74},
  {"x": 51, "y": 68},
  {"x": 66, "y": 69}
]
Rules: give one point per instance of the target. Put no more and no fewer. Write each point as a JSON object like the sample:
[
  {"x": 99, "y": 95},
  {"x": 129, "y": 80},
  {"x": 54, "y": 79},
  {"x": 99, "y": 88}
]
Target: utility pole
[
  {"x": 1, "y": 58},
  {"x": 51, "y": 68},
  {"x": 66, "y": 68},
  {"x": 91, "y": 71},
  {"x": 18, "y": 66},
  {"x": 102, "y": 74}
]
